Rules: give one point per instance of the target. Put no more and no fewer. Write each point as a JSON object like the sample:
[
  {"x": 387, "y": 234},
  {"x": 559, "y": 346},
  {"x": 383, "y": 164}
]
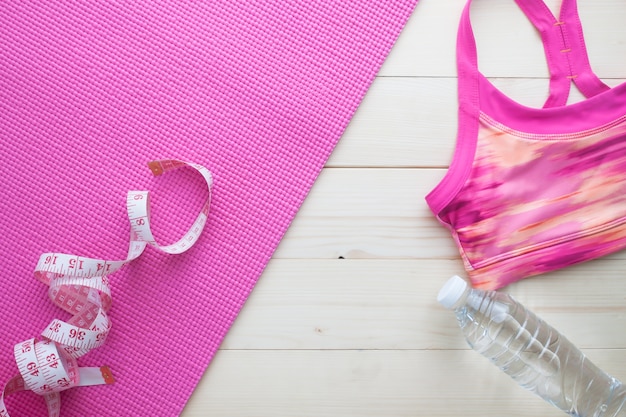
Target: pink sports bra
[{"x": 533, "y": 190}]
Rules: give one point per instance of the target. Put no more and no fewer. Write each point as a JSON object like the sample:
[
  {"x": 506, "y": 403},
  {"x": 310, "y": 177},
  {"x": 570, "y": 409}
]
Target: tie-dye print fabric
[
  {"x": 534, "y": 203},
  {"x": 534, "y": 190}
]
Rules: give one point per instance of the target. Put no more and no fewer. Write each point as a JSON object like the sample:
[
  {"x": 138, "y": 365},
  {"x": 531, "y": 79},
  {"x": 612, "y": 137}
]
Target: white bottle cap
[{"x": 452, "y": 291}]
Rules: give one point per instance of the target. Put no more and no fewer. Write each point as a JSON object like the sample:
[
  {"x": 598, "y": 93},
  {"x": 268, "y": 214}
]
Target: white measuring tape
[{"x": 80, "y": 286}]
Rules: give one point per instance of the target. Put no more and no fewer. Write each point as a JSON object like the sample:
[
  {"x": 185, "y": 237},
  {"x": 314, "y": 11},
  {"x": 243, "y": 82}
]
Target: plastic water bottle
[{"x": 532, "y": 352}]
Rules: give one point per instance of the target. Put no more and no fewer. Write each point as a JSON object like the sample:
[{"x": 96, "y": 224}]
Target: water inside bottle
[
  {"x": 540, "y": 359},
  {"x": 530, "y": 358}
]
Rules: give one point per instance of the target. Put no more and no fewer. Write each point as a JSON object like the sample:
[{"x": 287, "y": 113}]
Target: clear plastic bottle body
[{"x": 536, "y": 356}]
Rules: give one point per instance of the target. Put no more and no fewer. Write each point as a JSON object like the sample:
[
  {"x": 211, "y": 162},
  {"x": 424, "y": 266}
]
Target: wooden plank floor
[{"x": 344, "y": 321}]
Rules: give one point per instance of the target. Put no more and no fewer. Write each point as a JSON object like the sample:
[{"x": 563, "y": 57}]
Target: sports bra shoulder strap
[
  {"x": 581, "y": 73},
  {"x": 564, "y": 46}
]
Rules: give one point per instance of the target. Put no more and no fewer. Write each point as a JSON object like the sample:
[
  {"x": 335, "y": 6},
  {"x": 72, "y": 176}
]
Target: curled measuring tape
[{"x": 48, "y": 364}]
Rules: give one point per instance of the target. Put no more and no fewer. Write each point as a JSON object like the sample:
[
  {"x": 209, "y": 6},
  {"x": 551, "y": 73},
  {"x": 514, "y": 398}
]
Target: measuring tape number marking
[{"x": 79, "y": 285}]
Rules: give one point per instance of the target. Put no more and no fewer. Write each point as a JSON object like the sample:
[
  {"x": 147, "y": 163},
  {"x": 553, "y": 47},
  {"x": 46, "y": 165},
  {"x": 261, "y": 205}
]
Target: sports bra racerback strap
[{"x": 564, "y": 46}]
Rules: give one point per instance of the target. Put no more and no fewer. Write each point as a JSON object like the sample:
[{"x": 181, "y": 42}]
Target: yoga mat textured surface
[{"x": 259, "y": 92}]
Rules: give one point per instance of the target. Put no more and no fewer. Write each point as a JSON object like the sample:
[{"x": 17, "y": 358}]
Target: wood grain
[{"x": 344, "y": 321}]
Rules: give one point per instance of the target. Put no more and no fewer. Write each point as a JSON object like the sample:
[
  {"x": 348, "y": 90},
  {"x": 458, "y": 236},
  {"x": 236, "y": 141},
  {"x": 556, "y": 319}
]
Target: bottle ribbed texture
[{"x": 536, "y": 356}]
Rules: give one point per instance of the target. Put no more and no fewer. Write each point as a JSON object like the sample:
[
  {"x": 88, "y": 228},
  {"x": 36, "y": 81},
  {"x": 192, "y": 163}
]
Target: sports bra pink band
[{"x": 533, "y": 190}]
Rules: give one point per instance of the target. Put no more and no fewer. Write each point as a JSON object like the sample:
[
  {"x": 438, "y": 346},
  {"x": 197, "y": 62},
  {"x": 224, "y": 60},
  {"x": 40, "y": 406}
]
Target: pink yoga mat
[{"x": 259, "y": 92}]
